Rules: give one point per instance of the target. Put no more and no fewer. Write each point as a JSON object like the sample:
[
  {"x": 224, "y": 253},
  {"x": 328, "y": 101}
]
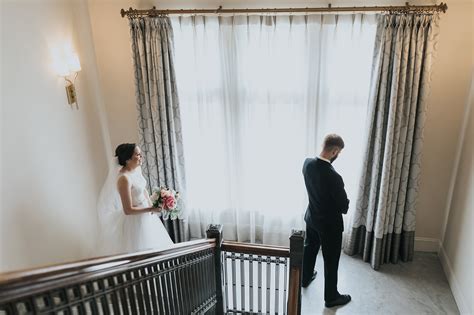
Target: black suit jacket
[{"x": 326, "y": 194}]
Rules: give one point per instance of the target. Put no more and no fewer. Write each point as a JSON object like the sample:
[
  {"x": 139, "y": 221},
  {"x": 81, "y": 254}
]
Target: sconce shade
[
  {"x": 62, "y": 69},
  {"x": 73, "y": 63}
]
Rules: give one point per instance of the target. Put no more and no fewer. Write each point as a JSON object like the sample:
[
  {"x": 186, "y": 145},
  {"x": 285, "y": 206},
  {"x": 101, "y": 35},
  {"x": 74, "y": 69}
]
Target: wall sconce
[{"x": 70, "y": 68}]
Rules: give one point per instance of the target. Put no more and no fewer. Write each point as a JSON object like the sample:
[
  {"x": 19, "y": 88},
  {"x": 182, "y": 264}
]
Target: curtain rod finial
[
  {"x": 443, "y": 6},
  {"x": 122, "y": 12}
]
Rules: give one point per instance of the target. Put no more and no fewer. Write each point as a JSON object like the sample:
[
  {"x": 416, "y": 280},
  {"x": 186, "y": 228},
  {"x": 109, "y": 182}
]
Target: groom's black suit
[{"x": 324, "y": 225}]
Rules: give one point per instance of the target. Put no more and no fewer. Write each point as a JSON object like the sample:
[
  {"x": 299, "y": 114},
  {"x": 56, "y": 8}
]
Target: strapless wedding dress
[{"x": 121, "y": 233}]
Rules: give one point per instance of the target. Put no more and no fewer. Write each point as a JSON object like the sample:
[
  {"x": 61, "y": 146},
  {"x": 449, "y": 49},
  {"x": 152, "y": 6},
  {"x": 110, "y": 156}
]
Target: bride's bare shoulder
[{"x": 122, "y": 179}]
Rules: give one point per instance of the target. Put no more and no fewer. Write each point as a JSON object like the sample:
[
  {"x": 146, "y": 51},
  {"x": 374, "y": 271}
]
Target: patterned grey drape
[
  {"x": 383, "y": 227},
  {"x": 159, "y": 121}
]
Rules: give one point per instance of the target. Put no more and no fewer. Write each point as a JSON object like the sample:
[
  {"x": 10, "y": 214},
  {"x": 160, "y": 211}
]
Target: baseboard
[
  {"x": 461, "y": 300},
  {"x": 425, "y": 244}
]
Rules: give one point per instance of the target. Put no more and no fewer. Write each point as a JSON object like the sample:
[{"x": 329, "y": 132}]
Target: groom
[{"x": 324, "y": 225}]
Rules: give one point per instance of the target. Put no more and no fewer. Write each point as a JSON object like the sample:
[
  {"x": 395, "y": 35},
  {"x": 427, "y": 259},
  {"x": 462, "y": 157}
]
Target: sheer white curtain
[{"x": 257, "y": 95}]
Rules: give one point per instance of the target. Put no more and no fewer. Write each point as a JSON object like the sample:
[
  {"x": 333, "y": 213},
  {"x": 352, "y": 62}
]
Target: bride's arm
[
  {"x": 147, "y": 197},
  {"x": 124, "y": 189}
]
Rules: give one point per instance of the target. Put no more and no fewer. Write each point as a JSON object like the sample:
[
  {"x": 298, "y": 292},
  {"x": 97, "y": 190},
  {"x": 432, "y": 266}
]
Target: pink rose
[
  {"x": 165, "y": 193},
  {"x": 169, "y": 202}
]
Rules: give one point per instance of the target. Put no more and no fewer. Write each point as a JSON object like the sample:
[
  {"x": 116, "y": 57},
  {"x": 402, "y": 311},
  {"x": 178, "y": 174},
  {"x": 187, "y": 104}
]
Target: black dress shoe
[
  {"x": 305, "y": 284},
  {"x": 341, "y": 300}
]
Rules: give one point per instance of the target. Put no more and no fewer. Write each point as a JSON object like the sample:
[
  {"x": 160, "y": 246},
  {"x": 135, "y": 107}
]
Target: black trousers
[{"x": 331, "y": 241}]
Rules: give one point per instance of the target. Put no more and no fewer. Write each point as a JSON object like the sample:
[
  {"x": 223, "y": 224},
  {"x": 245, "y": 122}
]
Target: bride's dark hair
[{"x": 124, "y": 152}]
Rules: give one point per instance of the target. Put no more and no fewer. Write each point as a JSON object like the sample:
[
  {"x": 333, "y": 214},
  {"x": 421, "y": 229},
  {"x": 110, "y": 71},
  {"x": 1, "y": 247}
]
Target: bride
[{"x": 127, "y": 219}]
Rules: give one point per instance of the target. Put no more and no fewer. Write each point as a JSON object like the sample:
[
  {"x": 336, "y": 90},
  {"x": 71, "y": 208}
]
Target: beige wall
[
  {"x": 450, "y": 82},
  {"x": 111, "y": 40},
  {"x": 450, "y": 87},
  {"x": 53, "y": 157},
  {"x": 457, "y": 250}
]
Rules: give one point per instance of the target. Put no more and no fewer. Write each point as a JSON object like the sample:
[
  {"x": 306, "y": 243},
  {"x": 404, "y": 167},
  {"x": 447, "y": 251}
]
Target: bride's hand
[{"x": 157, "y": 209}]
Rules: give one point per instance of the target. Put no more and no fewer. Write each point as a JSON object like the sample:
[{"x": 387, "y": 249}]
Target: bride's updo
[{"x": 124, "y": 152}]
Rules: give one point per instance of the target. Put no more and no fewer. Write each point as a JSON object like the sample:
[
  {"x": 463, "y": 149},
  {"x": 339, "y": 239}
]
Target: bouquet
[{"x": 167, "y": 200}]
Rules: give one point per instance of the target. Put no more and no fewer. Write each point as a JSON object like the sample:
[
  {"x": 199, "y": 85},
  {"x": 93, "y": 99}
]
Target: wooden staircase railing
[
  {"x": 164, "y": 282},
  {"x": 206, "y": 276},
  {"x": 254, "y": 278}
]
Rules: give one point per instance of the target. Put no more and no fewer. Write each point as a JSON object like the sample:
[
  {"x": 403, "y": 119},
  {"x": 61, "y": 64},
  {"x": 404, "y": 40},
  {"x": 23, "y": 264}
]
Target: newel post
[
  {"x": 296, "y": 271},
  {"x": 215, "y": 231}
]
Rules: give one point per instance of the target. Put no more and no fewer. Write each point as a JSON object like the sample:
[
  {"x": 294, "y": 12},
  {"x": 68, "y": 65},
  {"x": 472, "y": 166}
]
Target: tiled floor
[{"x": 418, "y": 287}]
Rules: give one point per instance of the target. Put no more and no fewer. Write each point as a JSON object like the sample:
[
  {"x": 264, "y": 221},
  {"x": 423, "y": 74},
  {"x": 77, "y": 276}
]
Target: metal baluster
[
  {"x": 259, "y": 269},
  {"x": 97, "y": 287},
  {"x": 146, "y": 290},
  {"x": 114, "y": 296},
  {"x": 234, "y": 289},
  {"x": 164, "y": 309},
  {"x": 174, "y": 286},
  {"x": 123, "y": 297},
  {"x": 159, "y": 289},
  {"x": 204, "y": 276},
  {"x": 131, "y": 295},
  {"x": 194, "y": 277},
  {"x": 194, "y": 282},
  {"x": 269, "y": 270},
  {"x": 208, "y": 275},
  {"x": 179, "y": 283},
  {"x": 9, "y": 307},
  {"x": 66, "y": 296},
  {"x": 104, "y": 303},
  {"x": 151, "y": 288},
  {"x": 202, "y": 262},
  {"x": 277, "y": 285},
  {"x": 201, "y": 279},
  {"x": 168, "y": 289},
  {"x": 251, "y": 282},
  {"x": 285, "y": 284},
  {"x": 226, "y": 284},
  {"x": 139, "y": 294},
  {"x": 92, "y": 301},
  {"x": 212, "y": 272},
  {"x": 93, "y": 304},
  {"x": 187, "y": 285},
  {"x": 242, "y": 282}
]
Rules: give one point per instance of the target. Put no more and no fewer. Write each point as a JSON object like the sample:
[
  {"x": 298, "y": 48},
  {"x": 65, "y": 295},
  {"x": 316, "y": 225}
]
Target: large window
[{"x": 257, "y": 96}]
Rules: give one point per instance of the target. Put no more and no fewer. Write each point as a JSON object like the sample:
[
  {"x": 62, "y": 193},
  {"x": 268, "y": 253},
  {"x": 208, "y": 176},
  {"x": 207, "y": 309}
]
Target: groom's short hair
[{"x": 333, "y": 141}]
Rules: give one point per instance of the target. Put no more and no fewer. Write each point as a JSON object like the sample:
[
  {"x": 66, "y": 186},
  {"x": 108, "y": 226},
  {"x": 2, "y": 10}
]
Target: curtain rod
[{"x": 442, "y": 7}]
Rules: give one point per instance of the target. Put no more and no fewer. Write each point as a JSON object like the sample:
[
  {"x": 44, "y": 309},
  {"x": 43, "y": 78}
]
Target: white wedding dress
[{"x": 121, "y": 233}]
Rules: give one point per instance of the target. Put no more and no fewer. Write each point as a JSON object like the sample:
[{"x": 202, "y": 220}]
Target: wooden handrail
[
  {"x": 27, "y": 282},
  {"x": 175, "y": 274},
  {"x": 255, "y": 249}
]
